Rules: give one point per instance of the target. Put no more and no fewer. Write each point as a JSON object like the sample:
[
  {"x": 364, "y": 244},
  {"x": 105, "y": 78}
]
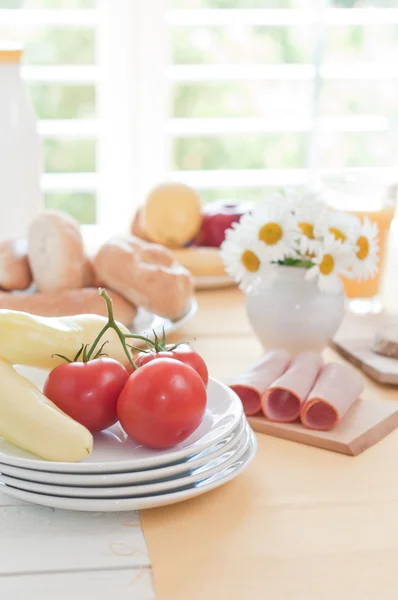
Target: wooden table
[{"x": 48, "y": 554}]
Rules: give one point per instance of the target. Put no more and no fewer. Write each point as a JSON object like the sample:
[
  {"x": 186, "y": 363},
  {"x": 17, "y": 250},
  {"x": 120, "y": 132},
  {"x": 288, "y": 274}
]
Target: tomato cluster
[{"x": 159, "y": 404}]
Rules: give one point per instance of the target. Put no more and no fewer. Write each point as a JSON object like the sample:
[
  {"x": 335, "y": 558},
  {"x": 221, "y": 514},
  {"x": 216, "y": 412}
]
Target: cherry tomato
[
  {"x": 162, "y": 403},
  {"x": 88, "y": 391},
  {"x": 183, "y": 353}
]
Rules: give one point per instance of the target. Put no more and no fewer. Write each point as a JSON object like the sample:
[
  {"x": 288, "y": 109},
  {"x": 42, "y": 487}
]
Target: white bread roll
[
  {"x": 165, "y": 291},
  {"x": 152, "y": 254},
  {"x": 89, "y": 279},
  {"x": 56, "y": 252},
  {"x": 15, "y": 271},
  {"x": 65, "y": 303}
]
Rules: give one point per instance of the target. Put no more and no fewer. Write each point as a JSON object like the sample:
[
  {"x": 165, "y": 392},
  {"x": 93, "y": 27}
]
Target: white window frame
[
  {"x": 133, "y": 128},
  {"x": 146, "y": 138},
  {"x": 133, "y": 105}
]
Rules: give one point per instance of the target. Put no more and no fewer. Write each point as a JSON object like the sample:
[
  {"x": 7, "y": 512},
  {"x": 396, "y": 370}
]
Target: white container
[
  {"x": 294, "y": 314},
  {"x": 20, "y": 151}
]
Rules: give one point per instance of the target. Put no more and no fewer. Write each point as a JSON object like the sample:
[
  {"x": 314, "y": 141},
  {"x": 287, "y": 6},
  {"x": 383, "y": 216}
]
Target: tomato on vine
[
  {"x": 180, "y": 351},
  {"x": 159, "y": 404},
  {"x": 162, "y": 403}
]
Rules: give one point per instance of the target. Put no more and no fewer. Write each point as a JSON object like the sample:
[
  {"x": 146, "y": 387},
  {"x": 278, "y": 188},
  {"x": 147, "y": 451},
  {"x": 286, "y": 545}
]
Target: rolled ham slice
[
  {"x": 252, "y": 384},
  {"x": 283, "y": 399},
  {"x": 335, "y": 391}
]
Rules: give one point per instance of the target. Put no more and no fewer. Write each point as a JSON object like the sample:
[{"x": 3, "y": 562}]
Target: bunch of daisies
[{"x": 300, "y": 232}]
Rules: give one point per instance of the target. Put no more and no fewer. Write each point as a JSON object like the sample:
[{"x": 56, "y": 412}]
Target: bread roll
[
  {"x": 64, "y": 303},
  {"x": 56, "y": 252},
  {"x": 166, "y": 291},
  {"x": 89, "y": 277},
  {"x": 146, "y": 252},
  {"x": 171, "y": 215},
  {"x": 15, "y": 271}
]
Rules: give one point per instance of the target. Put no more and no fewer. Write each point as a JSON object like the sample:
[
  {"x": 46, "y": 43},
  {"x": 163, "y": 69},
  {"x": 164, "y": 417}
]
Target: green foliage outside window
[
  {"x": 267, "y": 99},
  {"x": 80, "y": 206}
]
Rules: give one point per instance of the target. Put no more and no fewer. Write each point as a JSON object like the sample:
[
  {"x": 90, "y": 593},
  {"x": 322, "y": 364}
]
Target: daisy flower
[
  {"x": 246, "y": 224},
  {"x": 309, "y": 203},
  {"x": 342, "y": 226},
  {"x": 308, "y": 210},
  {"x": 365, "y": 262},
  {"x": 308, "y": 248},
  {"x": 331, "y": 261},
  {"x": 275, "y": 228},
  {"x": 246, "y": 260}
]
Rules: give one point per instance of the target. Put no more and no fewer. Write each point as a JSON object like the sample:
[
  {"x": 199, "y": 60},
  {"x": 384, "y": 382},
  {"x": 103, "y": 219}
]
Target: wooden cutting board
[
  {"x": 366, "y": 423},
  {"x": 354, "y": 341}
]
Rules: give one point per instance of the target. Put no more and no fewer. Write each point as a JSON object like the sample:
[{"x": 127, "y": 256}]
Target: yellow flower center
[
  {"x": 307, "y": 229},
  {"x": 338, "y": 234},
  {"x": 250, "y": 261},
  {"x": 363, "y": 245},
  {"x": 270, "y": 234},
  {"x": 327, "y": 265}
]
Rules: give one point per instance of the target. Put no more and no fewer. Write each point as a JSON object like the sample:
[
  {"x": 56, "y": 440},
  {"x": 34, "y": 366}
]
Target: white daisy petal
[
  {"x": 329, "y": 285},
  {"x": 307, "y": 209},
  {"x": 366, "y": 251},
  {"x": 246, "y": 262},
  {"x": 342, "y": 226},
  {"x": 312, "y": 273},
  {"x": 308, "y": 247},
  {"x": 308, "y": 205},
  {"x": 331, "y": 262},
  {"x": 275, "y": 228}
]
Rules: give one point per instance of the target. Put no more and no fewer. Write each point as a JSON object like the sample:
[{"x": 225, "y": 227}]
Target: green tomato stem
[
  {"x": 96, "y": 342},
  {"x": 155, "y": 345},
  {"x": 111, "y": 324}
]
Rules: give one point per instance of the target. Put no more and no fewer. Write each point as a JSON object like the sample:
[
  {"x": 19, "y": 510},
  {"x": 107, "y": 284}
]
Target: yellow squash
[
  {"x": 32, "y": 422},
  {"x": 30, "y": 340}
]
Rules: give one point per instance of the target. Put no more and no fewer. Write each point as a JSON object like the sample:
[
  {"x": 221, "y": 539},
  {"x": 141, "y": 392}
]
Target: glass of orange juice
[{"x": 364, "y": 196}]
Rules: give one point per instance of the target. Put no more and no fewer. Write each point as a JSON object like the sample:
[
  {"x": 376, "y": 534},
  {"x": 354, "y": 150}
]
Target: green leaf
[
  {"x": 156, "y": 340},
  {"x": 100, "y": 353},
  {"x": 85, "y": 353},
  {"x": 163, "y": 342},
  {"x": 78, "y": 354},
  {"x": 176, "y": 345},
  {"x": 137, "y": 349},
  {"x": 65, "y": 358},
  {"x": 296, "y": 262}
]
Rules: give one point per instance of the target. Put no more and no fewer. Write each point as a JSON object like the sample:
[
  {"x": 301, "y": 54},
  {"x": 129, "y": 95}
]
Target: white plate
[
  {"x": 127, "y": 491},
  {"x": 115, "y": 452},
  {"x": 146, "y": 322},
  {"x": 131, "y": 503},
  {"x": 213, "y": 282},
  {"x": 131, "y": 477}
]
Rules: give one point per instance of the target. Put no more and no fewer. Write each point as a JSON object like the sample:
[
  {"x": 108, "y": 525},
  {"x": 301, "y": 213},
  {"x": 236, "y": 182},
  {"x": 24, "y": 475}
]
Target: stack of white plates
[{"x": 121, "y": 475}]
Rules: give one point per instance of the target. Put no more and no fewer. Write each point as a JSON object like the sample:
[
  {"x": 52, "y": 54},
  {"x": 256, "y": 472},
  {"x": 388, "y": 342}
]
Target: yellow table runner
[{"x": 300, "y": 524}]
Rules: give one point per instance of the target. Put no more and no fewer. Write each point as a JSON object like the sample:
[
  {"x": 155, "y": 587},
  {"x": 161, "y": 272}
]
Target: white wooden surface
[{"x": 47, "y": 553}]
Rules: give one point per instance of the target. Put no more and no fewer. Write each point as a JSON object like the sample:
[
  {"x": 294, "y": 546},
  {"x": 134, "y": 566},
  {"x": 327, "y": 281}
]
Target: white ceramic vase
[{"x": 294, "y": 314}]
